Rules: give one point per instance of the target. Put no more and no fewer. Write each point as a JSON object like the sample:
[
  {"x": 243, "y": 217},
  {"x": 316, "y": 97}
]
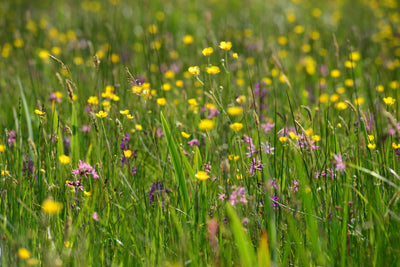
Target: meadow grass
[{"x": 199, "y": 133}]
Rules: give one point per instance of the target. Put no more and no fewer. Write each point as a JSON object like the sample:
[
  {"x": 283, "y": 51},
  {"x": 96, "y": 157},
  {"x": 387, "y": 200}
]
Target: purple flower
[
  {"x": 273, "y": 183},
  {"x": 251, "y": 148},
  {"x": 330, "y": 172},
  {"x": 95, "y": 216},
  {"x": 28, "y": 168},
  {"x": 12, "y": 138},
  {"x": 85, "y": 128},
  {"x": 156, "y": 191},
  {"x": 275, "y": 199},
  {"x": 207, "y": 167},
  {"x": 267, "y": 148},
  {"x": 194, "y": 142},
  {"x": 256, "y": 165},
  {"x": 134, "y": 171},
  {"x": 84, "y": 169},
  {"x": 295, "y": 186},
  {"x": 340, "y": 166},
  {"x": 75, "y": 185},
  {"x": 53, "y": 97},
  {"x": 221, "y": 196},
  {"x": 238, "y": 195},
  {"x": 267, "y": 126}
]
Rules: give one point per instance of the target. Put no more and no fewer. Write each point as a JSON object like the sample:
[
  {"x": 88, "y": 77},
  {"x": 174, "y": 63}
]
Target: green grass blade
[
  {"x": 28, "y": 117},
  {"x": 74, "y": 138},
  {"x": 245, "y": 248},
  {"x": 176, "y": 162}
]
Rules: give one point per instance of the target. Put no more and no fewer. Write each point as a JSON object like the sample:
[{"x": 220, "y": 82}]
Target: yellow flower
[
  {"x": 161, "y": 101},
  {"x": 348, "y": 82},
  {"x": 341, "y": 105},
  {"x": 2, "y": 148},
  {"x": 371, "y": 146},
  {"x": 93, "y": 100},
  {"x": 193, "y": 102},
  {"x": 188, "y": 39},
  {"x": 323, "y": 98},
  {"x": 299, "y": 29},
  {"x": 282, "y": 40},
  {"x": 114, "y": 58},
  {"x": 340, "y": 90},
  {"x": 114, "y": 97},
  {"x": 371, "y": 138},
  {"x": 293, "y": 136},
  {"x": 39, "y": 112},
  {"x": 394, "y": 85},
  {"x": 194, "y": 70},
  {"x": 334, "y": 98},
  {"x": 207, "y": 51},
  {"x": 316, "y": 138},
  {"x": 138, "y": 127},
  {"x": 225, "y": 45},
  {"x": 236, "y": 126},
  {"x": 359, "y": 101},
  {"x": 213, "y": 70},
  {"x": 102, "y": 114},
  {"x": 64, "y": 159},
  {"x": 206, "y": 124},
  {"x": 152, "y": 29},
  {"x": 129, "y": 116},
  {"x": 185, "y": 135},
  {"x": 24, "y": 254},
  {"x": 380, "y": 88},
  {"x": 335, "y": 73},
  {"x": 291, "y": 17},
  {"x": 50, "y": 206},
  {"x": 316, "y": 12},
  {"x": 241, "y": 99},
  {"x": 88, "y": 194},
  {"x": 239, "y": 176},
  {"x": 389, "y": 100},
  {"x": 282, "y": 139},
  {"x": 314, "y": 35},
  {"x": 127, "y": 153},
  {"x": 395, "y": 146},
  {"x": 179, "y": 83},
  {"x": 235, "y": 55},
  {"x": 235, "y": 111},
  {"x": 68, "y": 244},
  {"x": 124, "y": 112},
  {"x": 355, "y": 56},
  {"x": 166, "y": 86},
  {"x": 201, "y": 175},
  {"x": 349, "y": 64}
]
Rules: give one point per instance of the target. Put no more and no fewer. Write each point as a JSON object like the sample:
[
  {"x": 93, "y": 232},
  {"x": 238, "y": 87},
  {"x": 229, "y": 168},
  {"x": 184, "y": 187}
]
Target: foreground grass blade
[
  {"x": 176, "y": 162},
  {"x": 28, "y": 117},
  {"x": 245, "y": 248}
]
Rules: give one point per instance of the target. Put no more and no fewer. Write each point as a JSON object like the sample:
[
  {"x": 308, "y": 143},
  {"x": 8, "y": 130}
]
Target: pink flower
[{"x": 95, "y": 217}]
